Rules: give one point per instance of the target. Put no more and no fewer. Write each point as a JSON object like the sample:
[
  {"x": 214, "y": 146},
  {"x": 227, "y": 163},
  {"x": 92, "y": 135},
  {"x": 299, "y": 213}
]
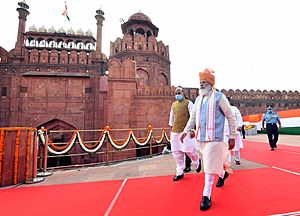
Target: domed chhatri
[
  {"x": 52, "y": 30},
  {"x": 139, "y": 16},
  {"x": 42, "y": 29},
  {"x": 79, "y": 32},
  {"x": 88, "y": 33},
  {"x": 61, "y": 30},
  {"x": 70, "y": 31},
  {"x": 32, "y": 29},
  {"x": 23, "y": 4}
]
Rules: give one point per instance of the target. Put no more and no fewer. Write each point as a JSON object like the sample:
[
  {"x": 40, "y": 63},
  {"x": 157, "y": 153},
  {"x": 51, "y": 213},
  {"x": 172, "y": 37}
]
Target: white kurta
[
  {"x": 214, "y": 153},
  {"x": 238, "y": 139},
  {"x": 214, "y": 156},
  {"x": 188, "y": 145}
]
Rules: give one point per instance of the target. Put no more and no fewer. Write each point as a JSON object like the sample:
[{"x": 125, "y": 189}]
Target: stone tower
[
  {"x": 100, "y": 18},
  {"x": 23, "y": 13},
  {"x": 139, "y": 43}
]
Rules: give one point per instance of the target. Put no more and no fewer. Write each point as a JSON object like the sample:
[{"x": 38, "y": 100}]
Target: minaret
[
  {"x": 100, "y": 18},
  {"x": 23, "y": 13}
]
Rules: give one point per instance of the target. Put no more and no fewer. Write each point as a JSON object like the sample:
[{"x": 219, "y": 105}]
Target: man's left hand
[
  {"x": 182, "y": 136},
  {"x": 231, "y": 144}
]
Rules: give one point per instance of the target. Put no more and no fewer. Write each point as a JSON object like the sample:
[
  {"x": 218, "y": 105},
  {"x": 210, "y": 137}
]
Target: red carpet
[
  {"x": 83, "y": 199},
  {"x": 286, "y": 157},
  {"x": 263, "y": 191},
  {"x": 242, "y": 194}
]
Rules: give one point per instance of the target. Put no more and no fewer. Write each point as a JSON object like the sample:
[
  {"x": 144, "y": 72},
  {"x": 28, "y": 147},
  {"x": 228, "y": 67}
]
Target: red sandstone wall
[{"x": 35, "y": 100}]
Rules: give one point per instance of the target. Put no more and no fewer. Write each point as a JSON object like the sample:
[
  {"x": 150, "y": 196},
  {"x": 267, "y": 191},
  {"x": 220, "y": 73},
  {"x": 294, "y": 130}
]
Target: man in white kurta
[
  {"x": 208, "y": 115},
  {"x": 179, "y": 116},
  {"x": 238, "y": 139}
]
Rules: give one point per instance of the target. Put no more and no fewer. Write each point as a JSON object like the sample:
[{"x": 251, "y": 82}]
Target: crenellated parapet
[
  {"x": 253, "y": 102},
  {"x": 268, "y": 96},
  {"x": 139, "y": 43}
]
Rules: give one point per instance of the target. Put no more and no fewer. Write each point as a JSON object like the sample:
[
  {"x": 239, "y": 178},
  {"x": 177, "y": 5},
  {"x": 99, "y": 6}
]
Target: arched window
[
  {"x": 140, "y": 31},
  {"x": 71, "y": 45},
  {"x": 140, "y": 47},
  {"x": 52, "y": 44},
  {"x": 143, "y": 76},
  {"x": 163, "y": 80}
]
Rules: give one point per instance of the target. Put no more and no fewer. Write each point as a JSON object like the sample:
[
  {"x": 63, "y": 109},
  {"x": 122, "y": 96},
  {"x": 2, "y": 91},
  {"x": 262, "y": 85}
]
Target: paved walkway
[{"x": 156, "y": 166}]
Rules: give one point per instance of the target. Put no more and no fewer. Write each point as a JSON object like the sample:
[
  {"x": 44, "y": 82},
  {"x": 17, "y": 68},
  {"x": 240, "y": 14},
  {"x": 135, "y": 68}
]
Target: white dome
[
  {"x": 70, "y": 31},
  {"x": 32, "y": 28},
  {"x": 79, "y": 32},
  {"x": 61, "y": 30},
  {"x": 42, "y": 29},
  {"x": 51, "y": 30},
  {"x": 89, "y": 33}
]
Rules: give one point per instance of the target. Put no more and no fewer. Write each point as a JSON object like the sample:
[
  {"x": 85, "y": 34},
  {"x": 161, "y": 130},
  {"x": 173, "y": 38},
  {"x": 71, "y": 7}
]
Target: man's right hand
[
  {"x": 192, "y": 133},
  {"x": 183, "y": 135},
  {"x": 231, "y": 144}
]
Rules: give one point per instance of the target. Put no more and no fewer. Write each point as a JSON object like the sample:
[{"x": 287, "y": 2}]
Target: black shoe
[
  {"x": 237, "y": 162},
  {"x": 187, "y": 169},
  {"x": 178, "y": 177},
  {"x": 221, "y": 181},
  {"x": 199, "y": 167},
  {"x": 272, "y": 149},
  {"x": 205, "y": 203}
]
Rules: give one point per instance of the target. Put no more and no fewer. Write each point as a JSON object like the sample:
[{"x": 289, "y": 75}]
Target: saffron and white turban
[{"x": 207, "y": 75}]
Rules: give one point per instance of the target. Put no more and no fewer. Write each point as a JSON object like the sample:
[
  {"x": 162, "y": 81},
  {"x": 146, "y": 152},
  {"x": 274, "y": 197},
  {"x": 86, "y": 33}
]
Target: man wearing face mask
[
  {"x": 208, "y": 115},
  {"x": 179, "y": 115},
  {"x": 271, "y": 118}
]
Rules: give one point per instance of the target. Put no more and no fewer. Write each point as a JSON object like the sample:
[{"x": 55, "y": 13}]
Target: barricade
[{"x": 18, "y": 156}]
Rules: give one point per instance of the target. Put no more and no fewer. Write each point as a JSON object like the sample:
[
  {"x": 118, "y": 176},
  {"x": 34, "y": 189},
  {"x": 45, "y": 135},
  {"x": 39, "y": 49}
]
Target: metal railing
[{"x": 63, "y": 149}]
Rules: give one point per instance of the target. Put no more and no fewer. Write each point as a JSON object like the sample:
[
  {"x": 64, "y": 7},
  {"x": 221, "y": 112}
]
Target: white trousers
[
  {"x": 179, "y": 158},
  {"x": 237, "y": 156},
  {"x": 208, "y": 183}
]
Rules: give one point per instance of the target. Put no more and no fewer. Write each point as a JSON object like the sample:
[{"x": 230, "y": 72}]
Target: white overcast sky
[{"x": 251, "y": 44}]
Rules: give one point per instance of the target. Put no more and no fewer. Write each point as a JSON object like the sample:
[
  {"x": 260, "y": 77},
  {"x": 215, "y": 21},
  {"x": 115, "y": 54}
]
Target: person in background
[
  {"x": 208, "y": 117},
  {"x": 271, "y": 119},
  {"x": 188, "y": 163},
  {"x": 238, "y": 139},
  {"x": 179, "y": 115},
  {"x": 243, "y": 132}
]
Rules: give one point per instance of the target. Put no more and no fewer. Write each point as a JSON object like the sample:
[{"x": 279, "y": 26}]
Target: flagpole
[
  {"x": 65, "y": 18},
  {"x": 65, "y": 23},
  {"x": 65, "y": 14}
]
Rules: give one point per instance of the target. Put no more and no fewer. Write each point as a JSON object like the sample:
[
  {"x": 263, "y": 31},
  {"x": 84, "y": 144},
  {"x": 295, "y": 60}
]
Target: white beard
[{"x": 205, "y": 91}]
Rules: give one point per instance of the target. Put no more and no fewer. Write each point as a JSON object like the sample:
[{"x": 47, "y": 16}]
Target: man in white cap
[{"x": 209, "y": 112}]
